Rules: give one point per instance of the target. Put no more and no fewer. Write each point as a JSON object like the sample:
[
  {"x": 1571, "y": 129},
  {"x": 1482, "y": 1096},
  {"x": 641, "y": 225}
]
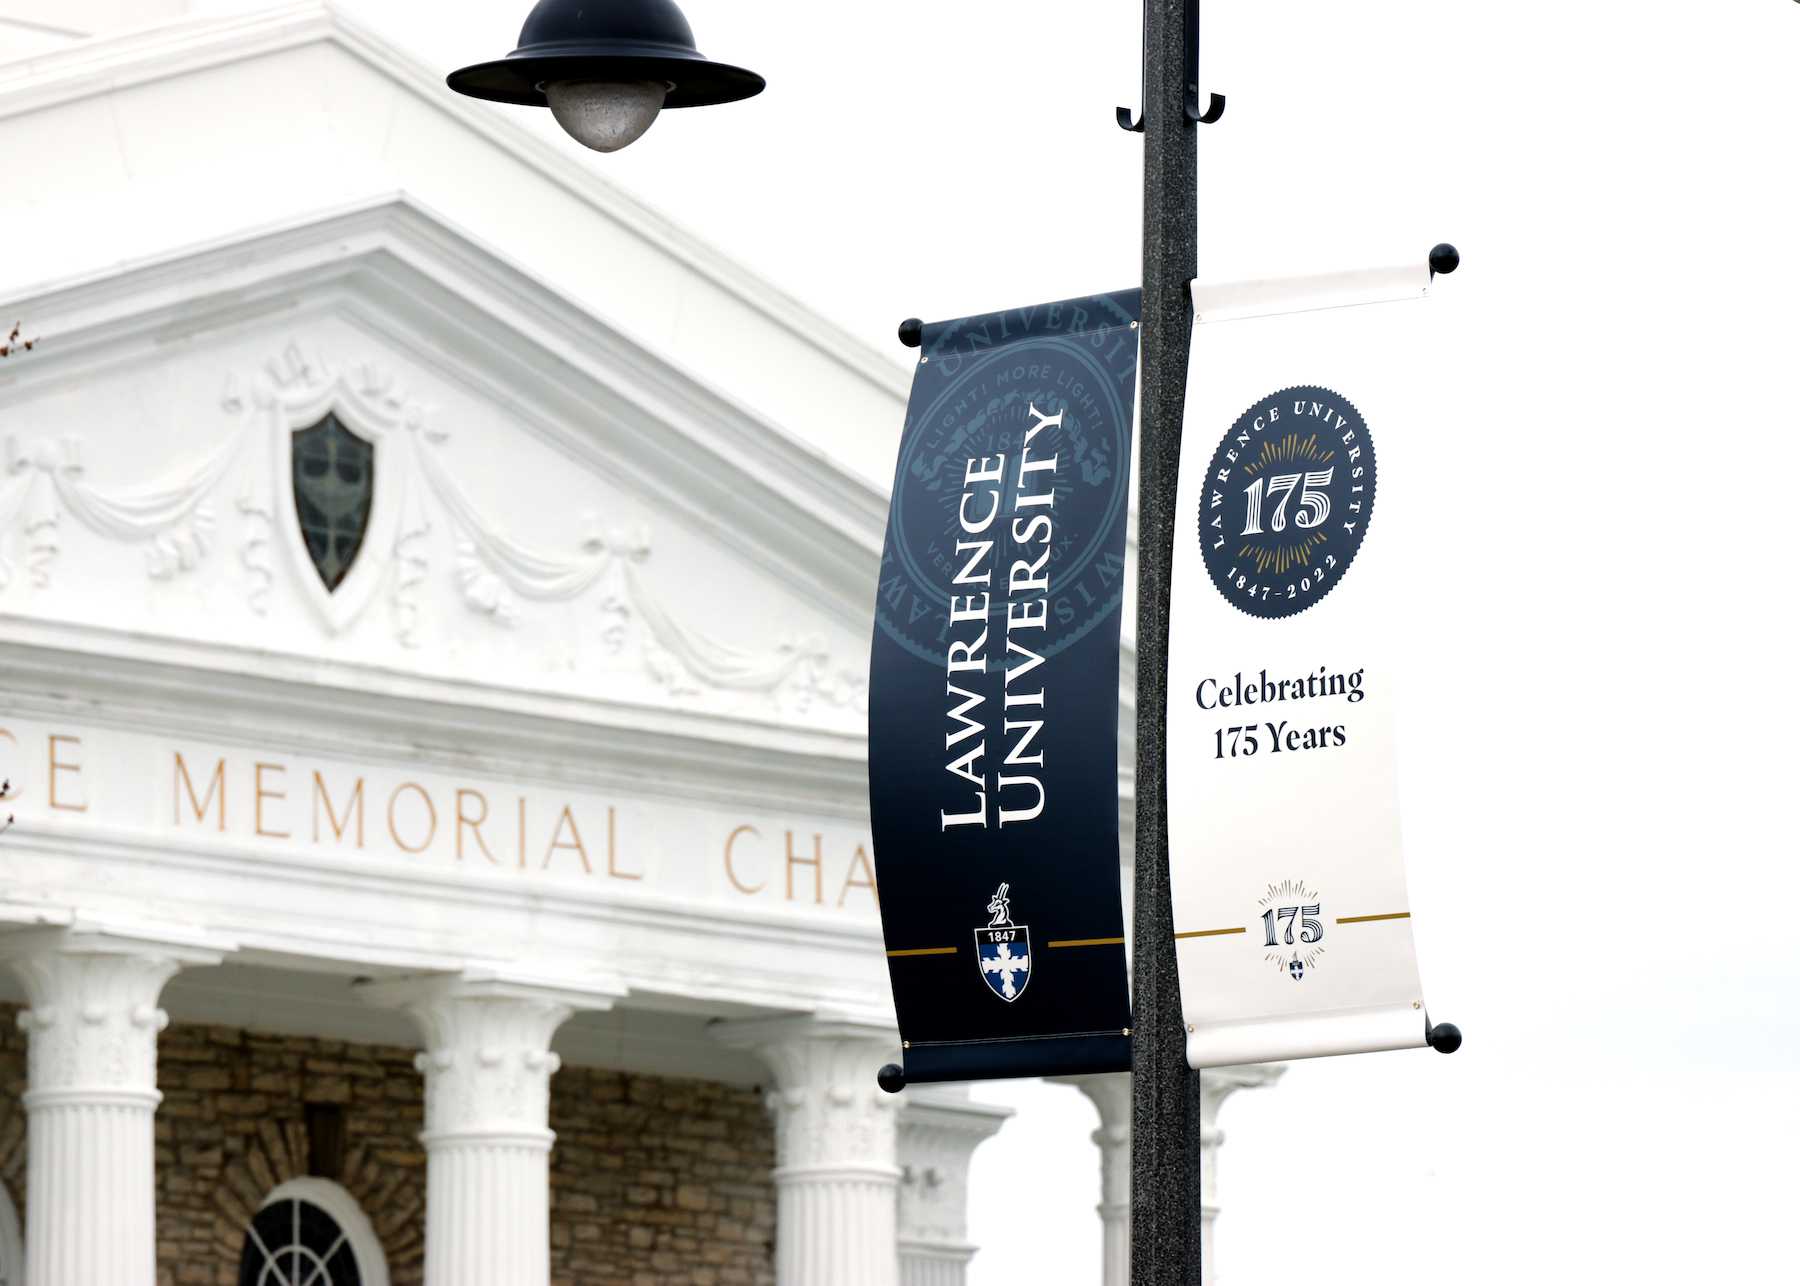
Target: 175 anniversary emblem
[{"x": 1287, "y": 501}]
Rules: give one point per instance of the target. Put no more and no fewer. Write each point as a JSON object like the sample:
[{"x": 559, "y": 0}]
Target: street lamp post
[{"x": 1165, "y": 1116}]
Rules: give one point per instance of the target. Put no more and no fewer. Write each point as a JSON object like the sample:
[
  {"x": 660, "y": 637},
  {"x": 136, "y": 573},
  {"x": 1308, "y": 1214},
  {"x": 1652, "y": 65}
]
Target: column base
[{"x": 934, "y": 1263}]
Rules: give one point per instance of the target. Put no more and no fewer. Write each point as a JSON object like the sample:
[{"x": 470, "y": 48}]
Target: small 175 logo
[{"x": 1293, "y": 927}]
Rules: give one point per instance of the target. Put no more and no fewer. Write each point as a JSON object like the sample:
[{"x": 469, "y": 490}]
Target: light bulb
[{"x": 606, "y": 116}]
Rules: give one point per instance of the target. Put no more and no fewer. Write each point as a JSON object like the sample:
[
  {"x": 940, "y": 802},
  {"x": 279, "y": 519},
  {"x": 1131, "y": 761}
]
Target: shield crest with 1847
[{"x": 1003, "y": 949}]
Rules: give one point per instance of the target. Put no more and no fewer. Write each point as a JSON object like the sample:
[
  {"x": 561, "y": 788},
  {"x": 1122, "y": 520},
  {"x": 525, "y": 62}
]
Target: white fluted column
[
  {"x": 487, "y": 1066},
  {"x": 1111, "y": 1097},
  {"x": 1217, "y": 1085},
  {"x": 836, "y": 1171},
  {"x": 90, "y": 1206},
  {"x": 939, "y": 1129}
]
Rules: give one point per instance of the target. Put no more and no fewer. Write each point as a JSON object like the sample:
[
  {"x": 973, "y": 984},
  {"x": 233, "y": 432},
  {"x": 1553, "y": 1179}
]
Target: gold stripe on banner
[
  {"x": 923, "y": 951},
  {"x": 1208, "y": 933},
  {"x": 1369, "y": 919},
  {"x": 1087, "y": 942}
]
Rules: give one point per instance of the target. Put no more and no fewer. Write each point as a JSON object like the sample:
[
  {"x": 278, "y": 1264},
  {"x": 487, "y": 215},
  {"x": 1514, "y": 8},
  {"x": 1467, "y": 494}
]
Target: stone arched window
[
  {"x": 12, "y": 1246},
  {"x": 311, "y": 1232}
]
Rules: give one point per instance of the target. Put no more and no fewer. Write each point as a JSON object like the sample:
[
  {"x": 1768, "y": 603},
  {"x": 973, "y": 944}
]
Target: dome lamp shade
[{"x": 606, "y": 68}]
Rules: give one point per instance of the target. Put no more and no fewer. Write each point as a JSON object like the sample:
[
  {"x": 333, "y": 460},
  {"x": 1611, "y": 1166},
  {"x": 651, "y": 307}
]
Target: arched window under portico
[{"x": 311, "y": 1232}]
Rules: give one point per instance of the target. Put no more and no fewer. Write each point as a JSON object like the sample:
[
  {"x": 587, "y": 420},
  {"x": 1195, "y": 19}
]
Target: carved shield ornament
[{"x": 334, "y": 487}]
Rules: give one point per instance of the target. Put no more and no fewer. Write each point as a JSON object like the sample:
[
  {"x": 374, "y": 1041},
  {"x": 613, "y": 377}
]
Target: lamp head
[{"x": 606, "y": 69}]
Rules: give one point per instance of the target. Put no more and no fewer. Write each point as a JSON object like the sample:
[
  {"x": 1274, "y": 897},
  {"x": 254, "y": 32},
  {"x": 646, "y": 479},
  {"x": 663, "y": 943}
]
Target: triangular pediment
[{"x": 516, "y": 497}]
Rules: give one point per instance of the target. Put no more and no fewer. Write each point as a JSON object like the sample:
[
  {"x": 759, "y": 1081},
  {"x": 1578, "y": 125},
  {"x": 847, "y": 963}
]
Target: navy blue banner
[{"x": 994, "y": 695}]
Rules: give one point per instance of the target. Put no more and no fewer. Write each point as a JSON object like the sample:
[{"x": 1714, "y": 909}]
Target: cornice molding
[
  {"x": 361, "y": 877},
  {"x": 773, "y": 983},
  {"x": 305, "y": 705}
]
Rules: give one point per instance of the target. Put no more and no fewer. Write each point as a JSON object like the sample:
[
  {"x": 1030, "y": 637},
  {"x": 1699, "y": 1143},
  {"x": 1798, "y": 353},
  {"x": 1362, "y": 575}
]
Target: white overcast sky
[{"x": 1598, "y": 764}]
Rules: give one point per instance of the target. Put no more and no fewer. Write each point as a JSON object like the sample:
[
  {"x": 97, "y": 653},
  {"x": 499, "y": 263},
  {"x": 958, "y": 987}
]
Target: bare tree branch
[{"x": 14, "y": 344}]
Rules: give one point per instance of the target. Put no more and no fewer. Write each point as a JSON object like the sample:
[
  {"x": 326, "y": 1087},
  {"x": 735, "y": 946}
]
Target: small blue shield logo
[{"x": 1003, "y": 949}]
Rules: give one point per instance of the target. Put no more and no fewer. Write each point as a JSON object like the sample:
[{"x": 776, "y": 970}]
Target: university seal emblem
[
  {"x": 1003, "y": 949},
  {"x": 977, "y": 399},
  {"x": 334, "y": 485},
  {"x": 1287, "y": 501}
]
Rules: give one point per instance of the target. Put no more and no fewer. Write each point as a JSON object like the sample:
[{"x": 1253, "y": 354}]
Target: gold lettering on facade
[
  {"x": 860, "y": 861},
  {"x": 57, "y": 766},
  {"x": 473, "y": 823},
  {"x": 200, "y": 801},
  {"x": 216, "y": 783},
  {"x": 430, "y": 810},
  {"x": 557, "y": 841},
  {"x": 731, "y": 871},
  {"x": 262, "y": 793},
  {"x": 816, "y": 861},
  {"x": 612, "y": 848},
  {"x": 322, "y": 796}
]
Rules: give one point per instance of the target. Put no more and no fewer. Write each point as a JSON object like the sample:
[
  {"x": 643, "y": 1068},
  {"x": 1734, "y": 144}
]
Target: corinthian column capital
[
  {"x": 829, "y": 1113},
  {"x": 93, "y": 1021},
  {"x": 835, "y": 1163},
  {"x": 93, "y": 1016},
  {"x": 487, "y": 1062}
]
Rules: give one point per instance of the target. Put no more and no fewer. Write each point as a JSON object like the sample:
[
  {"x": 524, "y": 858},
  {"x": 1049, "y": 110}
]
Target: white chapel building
[{"x": 435, "y": 593}]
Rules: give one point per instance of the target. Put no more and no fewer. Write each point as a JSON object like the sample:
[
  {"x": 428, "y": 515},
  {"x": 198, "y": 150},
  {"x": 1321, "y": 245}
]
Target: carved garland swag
[{"x": 175, "y": 521}]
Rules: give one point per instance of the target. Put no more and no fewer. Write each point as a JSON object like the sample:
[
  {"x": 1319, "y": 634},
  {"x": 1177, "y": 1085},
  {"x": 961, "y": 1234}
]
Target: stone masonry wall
[
  {"x": 659, "y": 1182},
  {"x": 232, "y": 1126},
  {"x": 654, "y": 1182}
]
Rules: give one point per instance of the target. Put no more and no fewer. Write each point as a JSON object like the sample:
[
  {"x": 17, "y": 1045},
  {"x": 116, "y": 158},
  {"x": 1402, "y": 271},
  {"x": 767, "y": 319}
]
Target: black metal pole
[{"x": 1165, "y": 1110}]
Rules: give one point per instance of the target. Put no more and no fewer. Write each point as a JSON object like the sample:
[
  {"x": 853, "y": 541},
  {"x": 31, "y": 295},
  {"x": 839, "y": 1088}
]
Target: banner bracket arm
[
  {"x": 1215, "y": 106},
  {"x": 1215, "y": 103}
]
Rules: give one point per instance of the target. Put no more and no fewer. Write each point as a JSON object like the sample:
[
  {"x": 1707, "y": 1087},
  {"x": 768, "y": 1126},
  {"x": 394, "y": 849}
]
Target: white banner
[{"x": 1293, "y": 930}]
